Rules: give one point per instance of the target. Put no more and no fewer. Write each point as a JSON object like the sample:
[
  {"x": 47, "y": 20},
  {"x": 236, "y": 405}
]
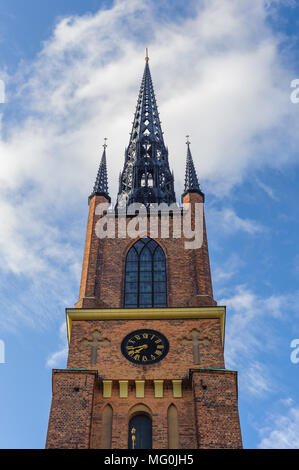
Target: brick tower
[{"x": 146, "y": 338}]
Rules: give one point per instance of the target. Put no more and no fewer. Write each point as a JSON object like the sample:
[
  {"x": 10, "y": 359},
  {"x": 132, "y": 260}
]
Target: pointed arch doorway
[{"x": 140, "y": 432}]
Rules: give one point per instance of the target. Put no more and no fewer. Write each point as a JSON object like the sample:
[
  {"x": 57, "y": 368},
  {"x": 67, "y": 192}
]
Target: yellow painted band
[{"x": 78, "y": 314}]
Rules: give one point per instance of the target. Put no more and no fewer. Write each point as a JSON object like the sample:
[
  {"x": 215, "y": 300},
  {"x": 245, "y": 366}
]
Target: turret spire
[
  {"x": 101, "y": 184},
  {"x": 191, "y": 180},
  {"x": 146, "y": 177}
]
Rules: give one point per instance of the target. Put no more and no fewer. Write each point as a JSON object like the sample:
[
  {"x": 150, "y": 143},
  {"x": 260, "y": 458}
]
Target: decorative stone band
[
  {"x": 123, "y": 385},
  {"x": 158, "y": 388},
  {"x": 79, "y": 314}
]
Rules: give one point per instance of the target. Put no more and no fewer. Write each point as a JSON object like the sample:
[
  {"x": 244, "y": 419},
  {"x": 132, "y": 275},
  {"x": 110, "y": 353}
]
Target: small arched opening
[{"x": 140, "y": 428}]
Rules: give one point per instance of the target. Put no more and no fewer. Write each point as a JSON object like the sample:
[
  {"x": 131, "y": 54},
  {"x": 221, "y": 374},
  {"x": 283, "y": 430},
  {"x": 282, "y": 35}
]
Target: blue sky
[{"x": 222, "y": 72}]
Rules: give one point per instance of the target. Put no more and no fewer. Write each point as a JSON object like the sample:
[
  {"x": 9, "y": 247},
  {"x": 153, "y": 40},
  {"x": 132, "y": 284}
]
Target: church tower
[{"x": 145, "y": 367}]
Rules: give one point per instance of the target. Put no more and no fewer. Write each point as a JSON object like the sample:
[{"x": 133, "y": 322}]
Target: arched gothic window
[
  {"x": 145, "y": 278},
  {"x": 150, "y": 181}
]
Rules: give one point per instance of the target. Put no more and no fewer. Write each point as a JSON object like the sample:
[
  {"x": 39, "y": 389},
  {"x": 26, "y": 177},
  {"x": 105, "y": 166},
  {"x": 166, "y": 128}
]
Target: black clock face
[{"x": 144, "y": 347}]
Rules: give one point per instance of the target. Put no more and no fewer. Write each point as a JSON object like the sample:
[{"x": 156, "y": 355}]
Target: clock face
[{"x": 144, "y": 347}]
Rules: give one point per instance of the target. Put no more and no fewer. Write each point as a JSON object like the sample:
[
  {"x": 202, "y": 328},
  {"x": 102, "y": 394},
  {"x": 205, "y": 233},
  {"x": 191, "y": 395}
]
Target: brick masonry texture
[
  {"x": 208, "y": 409},
  {"x": 111, "y": 364},
  {"x": 102, "y": 283},
  {"x": 71, "y": 410},
  {"x": 157, "y": 406},
  {"x": 216, "y": 409}
]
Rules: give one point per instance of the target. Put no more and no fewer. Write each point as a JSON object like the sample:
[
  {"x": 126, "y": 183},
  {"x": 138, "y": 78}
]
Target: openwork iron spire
[
  {"x": 191, "y": 180},
  {"x": 146, "y": 177},
  {"x": 101, "y": 184}
]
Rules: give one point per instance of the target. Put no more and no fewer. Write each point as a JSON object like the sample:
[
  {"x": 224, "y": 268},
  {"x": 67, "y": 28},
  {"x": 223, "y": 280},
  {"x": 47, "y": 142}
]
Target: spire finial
[
  {"x": 147, "y": 57},
  {"x": 188, "y": 141},
  {"x": 105, "y": 143}
]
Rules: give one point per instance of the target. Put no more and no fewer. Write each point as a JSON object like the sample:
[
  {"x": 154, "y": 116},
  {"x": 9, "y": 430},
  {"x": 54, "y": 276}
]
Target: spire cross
[
  {"x": 94, "y": 343},
  {"x": 105, "y": 142},
  {"x": 188, "y": 141},
  {"x": 196, "y": 342}
]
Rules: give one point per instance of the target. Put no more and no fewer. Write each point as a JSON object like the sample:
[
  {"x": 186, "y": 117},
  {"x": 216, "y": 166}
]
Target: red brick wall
[
  {"x": 188, "y": 270},
  {"x": 208, "y": 410},
  {"x": 216, "y": 409},
  {"x": 71, "y": 409},
  {"x": 111, "y": 364},
  {"x": 158, "y": 407}
]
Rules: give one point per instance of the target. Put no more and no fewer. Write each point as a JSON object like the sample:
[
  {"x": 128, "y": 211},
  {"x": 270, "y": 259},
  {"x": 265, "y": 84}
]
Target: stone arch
[{"x": 139, "y": 409}]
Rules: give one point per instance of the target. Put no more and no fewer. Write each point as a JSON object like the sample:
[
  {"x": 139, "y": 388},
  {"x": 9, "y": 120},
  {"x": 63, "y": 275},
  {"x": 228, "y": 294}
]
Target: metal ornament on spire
[
  {"x": 101, "y": 184},
  {"x": 191, "y": 180},
  {"x": 146, "y": 57},
  {"x": 146, "y": 177}
]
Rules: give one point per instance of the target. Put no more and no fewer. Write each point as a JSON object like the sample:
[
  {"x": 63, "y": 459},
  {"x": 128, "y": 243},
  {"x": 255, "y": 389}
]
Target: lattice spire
[
  {"x": 146, "y": 177},
  {"x": 101, "y": 184},
  {"x": 146, "y": 120}
]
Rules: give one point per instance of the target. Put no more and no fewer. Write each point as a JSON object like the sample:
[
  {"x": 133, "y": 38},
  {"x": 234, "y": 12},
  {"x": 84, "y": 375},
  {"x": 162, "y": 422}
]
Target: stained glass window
[{"x": 145, "y": 278}]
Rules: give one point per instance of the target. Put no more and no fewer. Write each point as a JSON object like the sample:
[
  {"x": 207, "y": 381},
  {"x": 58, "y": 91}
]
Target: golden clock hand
[{"x": 143, "y": 346}]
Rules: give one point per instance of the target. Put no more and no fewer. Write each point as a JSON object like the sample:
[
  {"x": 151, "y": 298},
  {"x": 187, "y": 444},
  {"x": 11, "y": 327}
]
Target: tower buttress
[
  {"x": 99, "y": 195},
  {"x": 199, "y": 259}
]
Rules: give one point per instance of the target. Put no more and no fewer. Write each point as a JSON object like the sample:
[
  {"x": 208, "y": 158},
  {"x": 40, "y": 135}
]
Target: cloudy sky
[{"x": 222, "y": 71}]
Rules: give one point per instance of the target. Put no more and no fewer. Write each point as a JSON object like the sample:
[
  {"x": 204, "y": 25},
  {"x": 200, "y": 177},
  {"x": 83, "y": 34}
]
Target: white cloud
[
  {"x": 217, "y": 75},
  {"x": 252, "y": 338},
  {"x": 58, "y": 358},
  {"x": 268, "y": 190},
  {"x": 283, "y": 432},
  {"x": 229, "y": 222},
  {"x": 226, "y": 271},
  {"x": 256, "y": 380},
  {"x": 287, "y": 401}
]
